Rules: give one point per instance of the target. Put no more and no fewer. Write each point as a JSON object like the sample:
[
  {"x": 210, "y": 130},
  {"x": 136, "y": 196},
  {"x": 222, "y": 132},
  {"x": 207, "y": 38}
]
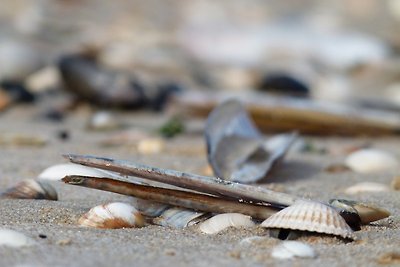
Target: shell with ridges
[
  {"x": 112, "y": 216},
  {"x": 178, "y": 218},
  {"x": 222, "y": 221},
  {"x": 310, "y": 216},
  {"x": 30, "y": 189}
]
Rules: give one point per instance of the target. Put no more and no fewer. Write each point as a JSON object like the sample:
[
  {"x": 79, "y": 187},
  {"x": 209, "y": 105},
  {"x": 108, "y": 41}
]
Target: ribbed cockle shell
[{"x": 310, "y": 216}]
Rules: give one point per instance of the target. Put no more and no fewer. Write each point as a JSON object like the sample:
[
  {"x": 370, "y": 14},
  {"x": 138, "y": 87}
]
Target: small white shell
[
  {"x": 59, "y": 171},
  {"x": 310, "y": 216},
  {"x": 103, "y": 121},
  {"x": 14, "y": 239},
  {"x": 30, "y": 189},
  {"x": 367, "y": 187},
  {"x": 371, "y": 160},
  {"x": 112, "y": 216},
  {"x": 290, "y": 249},
  {"x": 222, "y": 221}
]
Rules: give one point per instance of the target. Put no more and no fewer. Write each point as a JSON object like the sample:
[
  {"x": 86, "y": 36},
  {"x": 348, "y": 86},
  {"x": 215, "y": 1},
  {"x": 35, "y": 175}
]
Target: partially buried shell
[
  {"x": 179, "y": 218},
  {"x": 112, "y": 216},
  {"x": 30, "y": 189},
  {"x": 222, "y": 221},
  {"x": 310, "y": 216}
]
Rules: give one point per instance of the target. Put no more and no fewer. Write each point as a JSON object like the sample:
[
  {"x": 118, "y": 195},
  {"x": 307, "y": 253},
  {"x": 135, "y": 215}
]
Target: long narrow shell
[
  {"x": 31, "y": 189},
  {"x": 112, "y": 216},
  {"x": 178, "y": 218},
  {"x": 222, "y": 221},
  {"x": 310, "y": 216}
]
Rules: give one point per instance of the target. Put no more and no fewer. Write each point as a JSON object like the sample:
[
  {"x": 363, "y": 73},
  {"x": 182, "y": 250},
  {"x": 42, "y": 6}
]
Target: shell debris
[
  {"x": 220, "y": 222},
  {"x": 31, "y": 189},
  {"x": 112, "y": 216},
  {"x": 11, "y": 238},
  {"x": 371, "y": 160},
  {"x": 291, "y": 249},
  {"x": 310, "y": 216}
]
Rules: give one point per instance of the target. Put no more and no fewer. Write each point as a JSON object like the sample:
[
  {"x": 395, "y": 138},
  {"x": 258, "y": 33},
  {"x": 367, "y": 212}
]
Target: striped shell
[
  {"x": 30, "y": 189},
  {"x": 310, "y": 216},
  {"x": 112, "y": 216}
]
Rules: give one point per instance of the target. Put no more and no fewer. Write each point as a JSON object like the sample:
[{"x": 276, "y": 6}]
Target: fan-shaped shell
[
  {"x": 310, "y": 216},
  {"x": 30, "y": 189},
  {"x": 112, "y": 216}
]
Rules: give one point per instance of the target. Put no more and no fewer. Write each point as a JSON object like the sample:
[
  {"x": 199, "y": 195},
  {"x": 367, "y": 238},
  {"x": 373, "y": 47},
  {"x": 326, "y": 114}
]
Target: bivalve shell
[
  {"x": 31, "y": 189},
  {"x": 290, "y": 249},
  {"x": 112, "y": 216},
  {"x": 11, "y": 238},
  {"x": 367, "y": 187},
  {"x": 310, "y": 216},
  {"x": 178, "y": 218},
  {"x": 371, "y": 160},
  {"x": 222, "y": 221}
]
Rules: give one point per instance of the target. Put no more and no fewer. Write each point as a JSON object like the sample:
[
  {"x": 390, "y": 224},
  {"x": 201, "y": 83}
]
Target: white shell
[
  {"x": 31, "y": 189},
  {"x": 290, "y": 249},
  {"x": 371, "y": 160},
  {"x": 367, "y": 187},
  {"x": 112, "y": 216},
  {"x": 222, "y": 221},
  {"x": 310, "y": 216},
  {"x": 102, "y": 121},
  {"x": 14, "y": 239},
  {"x": 59, "y": 171},
  {"x": 178, "y": 218}
]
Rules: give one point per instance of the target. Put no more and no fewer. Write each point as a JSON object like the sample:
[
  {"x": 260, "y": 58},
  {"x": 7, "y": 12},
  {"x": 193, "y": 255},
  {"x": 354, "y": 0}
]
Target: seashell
[
  {"x": 31, "y": 189},
  {"x": 112, "y": 216},
  {"x": 371, "y": 160},
  {"x": 57, "y": 172},
  {"x": 149, "y": 208},
  {"x": 220, "y": 222},
  {"x": 290, "y": 249},
  {"x": 43, "y": 79},
  {"x": 312, "y": 217},
  {"x": 237, "y": 151},
  {"x": 367, "y": 187},
  {"x": 395, "y": 184},
  {"x": 14, "y": 239},
  {"x": 179, "y": 218},
  {"x": 151, "y": 146},
  {"x": 103, "y": 121}
]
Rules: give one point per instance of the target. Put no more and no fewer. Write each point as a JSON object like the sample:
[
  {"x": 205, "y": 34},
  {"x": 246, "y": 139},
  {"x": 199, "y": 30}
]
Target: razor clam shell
[
  {"x": 222, "y": 221},
  {"x": 310, "y": 216},
  {"x": 179, "y": 218},
  {"x": 237, "y": 151},
  {"x": 31, "y": 189},
  {"x": 112, "y": 216},
  {"x": 59, "y": 171},
  {"x": 371, "y": 160}
]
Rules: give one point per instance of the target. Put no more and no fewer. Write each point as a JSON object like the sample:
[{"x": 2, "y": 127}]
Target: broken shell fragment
[
  {"x": 112, "y": 216},
  {"x": 59, "y": 171},
  {"x": 222, "y": 221},
  {"x": 179, "y": 218},
  {"x": 312, "y": 217},
  {"x": 371, "y": 160},
  {"x": 237, "y": 151},
  {"x": 367, "y": 187},
  {"x": 290, "y": 249},
  {"x": 367, "y": 212},
  {"x": 14, "y": 239},
  {"x": 31, "y": 189}
]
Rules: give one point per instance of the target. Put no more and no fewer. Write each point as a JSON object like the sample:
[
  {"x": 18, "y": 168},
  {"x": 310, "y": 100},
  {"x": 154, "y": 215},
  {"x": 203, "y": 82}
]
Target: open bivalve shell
[
  {"x": 30, "y": 189},
  {"x": 312, "y": 217},
  {"x": 112, "y": 216}
]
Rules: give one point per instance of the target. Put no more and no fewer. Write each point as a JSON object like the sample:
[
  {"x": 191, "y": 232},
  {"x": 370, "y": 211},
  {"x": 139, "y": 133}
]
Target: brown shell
[
  {"x": 30, "y": 189},
  {"x": 310, "y": 216}
]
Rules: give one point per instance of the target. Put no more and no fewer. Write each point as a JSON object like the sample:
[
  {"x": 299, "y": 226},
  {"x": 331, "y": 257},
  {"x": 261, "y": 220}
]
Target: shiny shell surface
[{"x": 310, "y": 216}]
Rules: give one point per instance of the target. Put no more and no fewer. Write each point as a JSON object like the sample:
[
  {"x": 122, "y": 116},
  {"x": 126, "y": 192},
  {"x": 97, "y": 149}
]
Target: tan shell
[
  {"x": 310, "y": 216},
  {"x": 30, "y": 189},
  {"x": 112, "y": 216}
]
